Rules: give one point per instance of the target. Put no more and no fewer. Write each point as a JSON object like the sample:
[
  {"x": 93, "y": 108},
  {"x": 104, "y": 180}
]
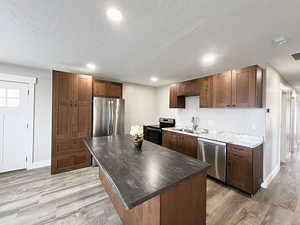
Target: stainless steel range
[{"x": 153, "y": 133}]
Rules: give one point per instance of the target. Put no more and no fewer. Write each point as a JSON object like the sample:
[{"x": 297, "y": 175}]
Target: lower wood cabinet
[
  {"x": 245, "y": 167},
  {"x": 185, "y": 144}
]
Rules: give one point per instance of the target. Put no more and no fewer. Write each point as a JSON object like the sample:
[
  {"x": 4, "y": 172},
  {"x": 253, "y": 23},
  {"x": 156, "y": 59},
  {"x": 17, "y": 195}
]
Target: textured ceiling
[{"x": 163, "y": 38}]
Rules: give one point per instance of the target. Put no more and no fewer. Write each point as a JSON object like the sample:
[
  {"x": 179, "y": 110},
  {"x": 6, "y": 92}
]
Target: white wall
[
  {"x": 140, "y": 105},
  {"x": 275, "y": 84},
  {"x": 245, "y": 121},
  {"x": 43, "y": 108}
]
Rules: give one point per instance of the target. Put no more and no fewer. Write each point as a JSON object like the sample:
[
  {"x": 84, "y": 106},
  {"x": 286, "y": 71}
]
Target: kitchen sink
[{"x": 185, "y": 130}]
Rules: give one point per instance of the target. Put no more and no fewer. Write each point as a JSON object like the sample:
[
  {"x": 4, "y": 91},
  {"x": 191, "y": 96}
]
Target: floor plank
[{"x": 78, "y": 198}]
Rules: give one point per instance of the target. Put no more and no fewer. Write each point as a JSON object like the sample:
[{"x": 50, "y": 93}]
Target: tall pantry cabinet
[{"x": 71, "y": 121}]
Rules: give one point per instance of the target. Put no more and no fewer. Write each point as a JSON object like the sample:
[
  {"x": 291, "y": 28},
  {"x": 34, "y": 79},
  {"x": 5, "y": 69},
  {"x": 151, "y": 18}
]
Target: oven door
[{"x": 154, "y": 135}]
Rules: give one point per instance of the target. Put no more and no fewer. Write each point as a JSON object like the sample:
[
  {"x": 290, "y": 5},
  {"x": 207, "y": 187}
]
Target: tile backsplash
[{"x": 237, "y": 120}]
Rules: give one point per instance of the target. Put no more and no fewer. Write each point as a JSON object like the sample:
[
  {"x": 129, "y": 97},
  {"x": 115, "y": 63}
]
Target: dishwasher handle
[{"x": 211, "y": 141}]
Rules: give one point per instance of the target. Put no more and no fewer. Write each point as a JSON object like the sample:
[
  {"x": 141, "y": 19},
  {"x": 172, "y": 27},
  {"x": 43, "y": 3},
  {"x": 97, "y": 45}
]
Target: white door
[{"x": 14, "y": 140}]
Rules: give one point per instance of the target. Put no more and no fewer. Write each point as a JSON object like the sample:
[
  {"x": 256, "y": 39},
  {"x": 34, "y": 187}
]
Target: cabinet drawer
[
  {"x": 68, "y": 146},
  {"x": 72, "y": 161},
  {"x": 239, "y": 151}
]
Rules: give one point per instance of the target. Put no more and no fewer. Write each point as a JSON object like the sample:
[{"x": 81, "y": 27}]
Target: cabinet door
[
  {"x": 188, "y": 88},
  {"x": 82, "y": 107},
  {"x": 100, "y": 88},
  {"x": 222, "y": 90},
  {"x": 169, "y": 140},
  {"x": 62, "y": 105},
  {"x": 205, "y": 85},
  {"x": 239, "y": 168},
  {"x": 114, "y": 90},
  {"x": 190, "y": 146},
  {"x": 244, "y": 87},
  {"x": 175, "y": 101}
]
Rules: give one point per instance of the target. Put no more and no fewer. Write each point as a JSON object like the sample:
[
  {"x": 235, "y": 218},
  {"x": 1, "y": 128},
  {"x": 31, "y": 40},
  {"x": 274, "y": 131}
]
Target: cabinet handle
[{"x": 71, "y": 104}]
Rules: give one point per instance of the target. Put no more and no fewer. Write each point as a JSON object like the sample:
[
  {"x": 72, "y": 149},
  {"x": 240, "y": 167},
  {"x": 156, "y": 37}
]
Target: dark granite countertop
[{"x": 137, "y": 176}]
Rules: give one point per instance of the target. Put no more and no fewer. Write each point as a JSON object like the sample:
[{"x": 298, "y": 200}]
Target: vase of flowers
[{"x": 137, "y": 133}]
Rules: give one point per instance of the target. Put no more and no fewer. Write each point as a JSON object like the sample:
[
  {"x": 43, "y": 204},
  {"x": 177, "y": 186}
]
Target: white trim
[
  {"x": 271, "y": 176},
  {"x": 41, "y": 164},
  {"x": 16, "y": 78},
  {"x": 31, "y": 81}
]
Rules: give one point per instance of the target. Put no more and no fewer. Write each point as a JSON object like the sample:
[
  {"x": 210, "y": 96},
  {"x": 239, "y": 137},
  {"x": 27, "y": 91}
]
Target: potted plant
[{"x": 137, "y": 133}]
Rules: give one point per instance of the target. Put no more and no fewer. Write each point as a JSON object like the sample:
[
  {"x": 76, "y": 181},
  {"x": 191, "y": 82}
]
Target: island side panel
[
  {"x": 147, "y": 213},
  {"x": 185, "y": 203}
]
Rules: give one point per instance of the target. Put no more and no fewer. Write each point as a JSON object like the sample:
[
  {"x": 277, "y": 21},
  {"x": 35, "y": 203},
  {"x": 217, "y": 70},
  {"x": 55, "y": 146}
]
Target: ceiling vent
[{"x": 296, "y": 56}]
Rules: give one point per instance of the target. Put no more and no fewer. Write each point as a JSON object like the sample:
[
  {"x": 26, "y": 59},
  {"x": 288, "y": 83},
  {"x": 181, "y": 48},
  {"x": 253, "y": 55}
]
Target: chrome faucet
[{"x": 195, "y": 122}]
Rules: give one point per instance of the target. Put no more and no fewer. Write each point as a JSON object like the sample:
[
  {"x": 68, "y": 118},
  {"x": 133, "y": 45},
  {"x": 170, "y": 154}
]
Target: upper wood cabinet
[
  {"x": 107, "y": 89},
  {"x": 176, "y": 101},
  {"x": 240, "y": 88},
  {"x": 205, "y": 88},
  {"x": 221, "y": 90},
  {"x": 189, "y": 88},
  {"x": 247, "y": 87},
  {"x": 71, "y": 121}
]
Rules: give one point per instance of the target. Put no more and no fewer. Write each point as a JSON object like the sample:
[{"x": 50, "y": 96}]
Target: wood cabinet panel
[
  {"x": 176, "y": 101},
  {"x": 62, "y": 105},
  {"x": 189, "y": 88},
  {"x": 71, "y": 122},
  {"x": 245, "y": 168},
  {"x": 205, "y": 85},
  {"x": 237, "y": 88},
  {"x": 239, "y": 170},
  {"x": 244, "y": 87},
  {"x": 190, "y": 145},
  {"x": 114, "y": 90},
  {"x": 185, "y": 144},
  {"x": 99, "y": 88},
  {"x": 185, "y": 204},
  {"x": 107, "y": 89},
  {"x": 222, "y": 90}
]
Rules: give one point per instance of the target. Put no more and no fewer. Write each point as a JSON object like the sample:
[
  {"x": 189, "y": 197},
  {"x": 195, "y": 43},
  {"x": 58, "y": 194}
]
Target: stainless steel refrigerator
[{"x": 108, "y": 116}]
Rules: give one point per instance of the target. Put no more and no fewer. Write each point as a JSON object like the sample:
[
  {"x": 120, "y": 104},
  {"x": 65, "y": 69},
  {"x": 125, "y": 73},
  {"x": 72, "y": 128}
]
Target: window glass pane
[
  {"x": 13, "y": 93},
  {"x": 2, "y": 92},
  {"x": 13, "y": 102},
  {"x": 2, "y": 102}
]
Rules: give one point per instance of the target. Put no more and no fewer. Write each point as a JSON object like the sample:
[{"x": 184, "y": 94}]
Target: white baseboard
[
  {"x": 271, "y": 176},
  {"x": 41, "y": 164}
]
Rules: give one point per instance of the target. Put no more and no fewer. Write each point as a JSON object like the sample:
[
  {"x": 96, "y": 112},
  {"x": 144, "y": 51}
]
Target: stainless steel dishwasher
[{"x": 214, "y": 153}]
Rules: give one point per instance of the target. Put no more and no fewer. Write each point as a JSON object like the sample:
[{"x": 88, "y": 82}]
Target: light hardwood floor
[{"x": 77, "y": 198}]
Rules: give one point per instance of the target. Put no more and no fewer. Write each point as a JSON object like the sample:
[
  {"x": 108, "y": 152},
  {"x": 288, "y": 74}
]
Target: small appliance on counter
[{"x": 153, "y": 133}]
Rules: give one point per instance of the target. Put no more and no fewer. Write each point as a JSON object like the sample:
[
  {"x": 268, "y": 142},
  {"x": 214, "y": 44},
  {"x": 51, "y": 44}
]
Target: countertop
[
  {"x": 137, "y": 176},
  {"x": 226, "y": 137}
]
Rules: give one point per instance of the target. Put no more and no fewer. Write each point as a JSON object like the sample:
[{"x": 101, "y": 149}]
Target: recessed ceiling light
[
  {"x": 154, "y": 79},
  {"x": 114, "y": 15},
  {"x": 280, "y": 40},
  {"x": 209, "y": 58},
  {"x": 91, "y": 66}
]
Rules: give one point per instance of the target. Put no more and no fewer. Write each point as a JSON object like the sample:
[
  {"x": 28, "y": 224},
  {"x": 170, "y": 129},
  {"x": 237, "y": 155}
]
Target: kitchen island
[{"x": 155, "y": 186}]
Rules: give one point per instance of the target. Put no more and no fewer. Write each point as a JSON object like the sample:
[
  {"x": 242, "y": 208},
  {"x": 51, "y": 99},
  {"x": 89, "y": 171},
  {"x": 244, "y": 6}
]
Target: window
[{"x": 9, "y": 97}]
